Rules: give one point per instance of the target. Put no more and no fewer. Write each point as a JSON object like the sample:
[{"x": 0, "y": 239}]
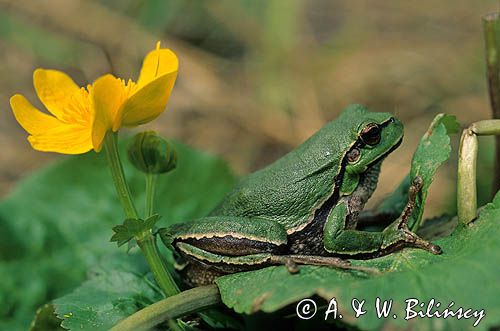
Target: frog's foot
[
  {"x": 399, "y": 234},
  {"x": 413, "y": 240},
  {"x": 399, "y": 238},
  {"x": 291, "y": 262}
]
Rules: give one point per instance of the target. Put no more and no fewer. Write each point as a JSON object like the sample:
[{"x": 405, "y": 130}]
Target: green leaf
[
  {"x": 433, "y": 150},
  {"x": 113, "y": 291},
  {"x": 57, "y": 223},
  {"x": 466, "y": 273},
  {"x": 133, "y": 228}
]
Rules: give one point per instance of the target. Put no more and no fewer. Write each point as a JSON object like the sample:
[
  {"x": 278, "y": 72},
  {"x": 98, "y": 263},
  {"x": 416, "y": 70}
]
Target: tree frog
[{"x": 303, "y": 208}]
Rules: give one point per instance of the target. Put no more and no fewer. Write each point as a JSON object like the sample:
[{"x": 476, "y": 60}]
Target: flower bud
[{"x": 152, "y": 154}]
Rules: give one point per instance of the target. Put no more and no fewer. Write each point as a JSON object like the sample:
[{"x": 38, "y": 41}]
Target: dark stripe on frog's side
[
  {"x": 231, "y": 246},
  {"x": 223, "y": 263},
  {"x": 310, "y": 240}
]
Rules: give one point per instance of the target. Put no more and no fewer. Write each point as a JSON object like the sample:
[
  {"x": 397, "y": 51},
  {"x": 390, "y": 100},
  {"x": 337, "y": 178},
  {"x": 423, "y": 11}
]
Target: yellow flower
[{"x": 82, "y": 116}]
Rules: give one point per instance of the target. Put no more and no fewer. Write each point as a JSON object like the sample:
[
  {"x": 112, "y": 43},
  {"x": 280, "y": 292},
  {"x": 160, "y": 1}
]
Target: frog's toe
[
  {"x": 428, "y": 246},
  {"x": 417, "y": 183},
  {"x": 415, "y": 241},
  {"x": 435, "y": 249}
]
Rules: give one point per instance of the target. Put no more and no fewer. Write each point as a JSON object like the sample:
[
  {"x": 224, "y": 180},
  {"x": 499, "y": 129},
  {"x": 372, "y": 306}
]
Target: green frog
[{"x": 304, "y": 208}]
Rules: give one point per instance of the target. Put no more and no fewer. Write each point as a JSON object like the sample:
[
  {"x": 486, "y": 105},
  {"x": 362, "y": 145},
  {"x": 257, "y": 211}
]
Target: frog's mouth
[{"x": 384, "y": 155}]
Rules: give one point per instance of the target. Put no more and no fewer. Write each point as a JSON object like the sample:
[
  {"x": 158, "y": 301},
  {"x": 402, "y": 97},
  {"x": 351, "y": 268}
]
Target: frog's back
[{"x": 289, "y": 189}]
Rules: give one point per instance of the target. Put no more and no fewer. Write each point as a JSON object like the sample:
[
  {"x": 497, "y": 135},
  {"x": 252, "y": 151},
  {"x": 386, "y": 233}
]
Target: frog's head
[
  {"x": 343, "y": 149},
  {"x": 374, "y": 136}
]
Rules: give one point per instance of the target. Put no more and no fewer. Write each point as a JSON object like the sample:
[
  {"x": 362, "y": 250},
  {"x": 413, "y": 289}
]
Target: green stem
[
  {"x": 147, "y": 243},
  {"x": 150, "y": 193},
  {"x": 182, "y": 304},
  {"x": 486, "y": 127},
  {"x": 160, "y": 271},
  {"x": 111, "y": 147}
]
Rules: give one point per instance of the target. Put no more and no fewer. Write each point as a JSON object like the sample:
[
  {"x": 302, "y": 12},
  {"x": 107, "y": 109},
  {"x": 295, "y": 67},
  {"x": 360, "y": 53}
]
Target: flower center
[
  {"x": 77, "y": 110},
  {"x": 129, "y": 88}
]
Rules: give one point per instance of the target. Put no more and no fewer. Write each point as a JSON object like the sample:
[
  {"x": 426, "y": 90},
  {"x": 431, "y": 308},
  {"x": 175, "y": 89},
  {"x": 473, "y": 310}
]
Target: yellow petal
[
  {"x": 107, "y": 94},
  {"x": 30, "y": 118},
  {"x": 149, "y": 101},
  {"x": 157, "y": 63},
  {"x": 54, "y": 88},
  {"x": 63, "y": 138}
]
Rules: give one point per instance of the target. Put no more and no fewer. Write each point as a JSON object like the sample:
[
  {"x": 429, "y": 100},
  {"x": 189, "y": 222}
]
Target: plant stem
[
  {"x": 147, "y": 243},
  {"x": 150, "y": 193},
  {"x": 160, "y": 271},
  {"x": 491, "y": 26},
  {"x": 111, "y": 147},
  {"x": 182, "y": 304},
  {"x": 466, "y": 178}
]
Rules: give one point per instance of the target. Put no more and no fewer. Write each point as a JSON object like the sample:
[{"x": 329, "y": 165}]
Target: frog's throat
[{"x": 363, "y": 192}]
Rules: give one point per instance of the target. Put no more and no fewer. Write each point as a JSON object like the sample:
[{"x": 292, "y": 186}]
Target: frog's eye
[
  {"x": 353, "y": 155},
  {"x": 371, "y": 134}
]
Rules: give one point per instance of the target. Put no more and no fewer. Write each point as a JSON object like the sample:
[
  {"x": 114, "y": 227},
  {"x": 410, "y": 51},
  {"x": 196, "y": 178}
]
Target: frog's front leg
[{"x": 339, "y": 238}]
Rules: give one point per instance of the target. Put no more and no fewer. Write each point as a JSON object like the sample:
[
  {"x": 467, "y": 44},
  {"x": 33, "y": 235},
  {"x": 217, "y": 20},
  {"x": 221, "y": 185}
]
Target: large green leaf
[
  {"x": 58, "y": 222},
  {"x": 411, "y": 273},
  {"x": 466, "y": 274}
]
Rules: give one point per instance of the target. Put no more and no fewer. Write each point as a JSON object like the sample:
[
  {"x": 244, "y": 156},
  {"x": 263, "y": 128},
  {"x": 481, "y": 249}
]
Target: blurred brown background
[{"x": 258, "y": 77}]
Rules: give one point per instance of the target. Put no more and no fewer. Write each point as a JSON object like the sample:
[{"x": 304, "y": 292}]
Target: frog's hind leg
[
  {"x": 229, "y": 235},
  {"x": 218, "y": 245},
  {"x": 214, "y": 265},
  {"x": 203, "y": 266}
]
